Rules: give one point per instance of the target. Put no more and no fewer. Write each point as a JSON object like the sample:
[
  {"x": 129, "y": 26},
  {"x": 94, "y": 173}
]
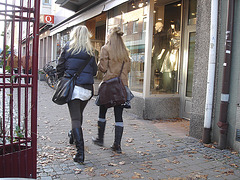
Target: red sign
[{"x": 49, "y": 19}]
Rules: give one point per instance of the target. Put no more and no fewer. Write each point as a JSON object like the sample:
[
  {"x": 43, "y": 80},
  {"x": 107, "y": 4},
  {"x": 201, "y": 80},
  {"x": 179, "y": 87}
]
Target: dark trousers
[
  {"x": 29, "y": 72},
  {"x": 118, "y": 111},
  {"x": 76, "y": 108},
  {"x": 16, "y": 72}
]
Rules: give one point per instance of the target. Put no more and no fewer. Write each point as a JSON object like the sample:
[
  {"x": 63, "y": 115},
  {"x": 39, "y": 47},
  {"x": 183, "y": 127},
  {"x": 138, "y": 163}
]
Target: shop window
[
  {"x": 144, "y": 24},
  {"x": 46, "y": 2},
  {"x": 165, "y": 49},
  {"x": 61, "y": 40},
  {"x": 131, "y": 18},
  {"x": 124, "y": 28},
  {"x": 191, "y": 50},
  {"x": 135, "y": 26},
  {"x": 23, "y": 50},
  {"x": 192, "y": 13},
  {"x": 58, "y": 44},
  {"x": 31, "y": 45}
]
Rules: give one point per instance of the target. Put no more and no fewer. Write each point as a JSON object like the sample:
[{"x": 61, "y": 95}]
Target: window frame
[
  {"x": 135, "y": 26},
  {"x": 124, "y": 28}
]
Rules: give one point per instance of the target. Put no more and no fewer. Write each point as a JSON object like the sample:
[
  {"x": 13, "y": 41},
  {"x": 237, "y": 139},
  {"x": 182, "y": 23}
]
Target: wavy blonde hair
[
  {"x": 117, "y": 47},
  {"x": 80, "y": 40}
]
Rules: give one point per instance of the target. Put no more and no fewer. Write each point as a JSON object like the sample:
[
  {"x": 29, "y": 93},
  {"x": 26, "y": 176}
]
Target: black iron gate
[{"x": 19, "y": 20}]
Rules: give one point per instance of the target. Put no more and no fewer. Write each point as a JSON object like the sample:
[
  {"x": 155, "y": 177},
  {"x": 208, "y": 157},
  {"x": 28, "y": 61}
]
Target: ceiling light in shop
[
  {"x": 179, "y": 4},
  {"x": 133, "y": 5},
  {"x": 140, "y": 4}
]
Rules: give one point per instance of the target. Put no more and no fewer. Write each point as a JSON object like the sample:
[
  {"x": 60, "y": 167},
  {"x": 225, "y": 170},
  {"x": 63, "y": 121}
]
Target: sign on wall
[{"x": 47, "y": 19}]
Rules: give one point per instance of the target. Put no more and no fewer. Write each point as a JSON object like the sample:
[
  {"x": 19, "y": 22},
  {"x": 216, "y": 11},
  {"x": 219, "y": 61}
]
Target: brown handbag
[{"x": 112, "y": 92}]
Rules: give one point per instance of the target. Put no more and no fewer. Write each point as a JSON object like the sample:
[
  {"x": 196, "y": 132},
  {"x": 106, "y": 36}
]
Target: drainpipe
[
  {"x": 222, "y": 124},
  {"x": 211, "y": 72}
]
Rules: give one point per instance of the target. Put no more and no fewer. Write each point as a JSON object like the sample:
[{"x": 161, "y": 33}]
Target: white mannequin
[{"x": 158, "y": 26}]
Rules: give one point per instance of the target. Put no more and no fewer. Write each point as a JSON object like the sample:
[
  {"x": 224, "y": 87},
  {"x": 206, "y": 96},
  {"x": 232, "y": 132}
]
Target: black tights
[
  {"x": 76, "y": 108},
  {"x": 118, "y": 111}
]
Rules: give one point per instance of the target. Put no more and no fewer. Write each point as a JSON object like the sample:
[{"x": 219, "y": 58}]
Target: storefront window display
[
  {"x": 165, "y": 49},
  {"x": 58, "y": 43},
  {"x": 97, "y": 26},
  {"x": 62, "y": 39},
  {"x": 132, "y": 20}
]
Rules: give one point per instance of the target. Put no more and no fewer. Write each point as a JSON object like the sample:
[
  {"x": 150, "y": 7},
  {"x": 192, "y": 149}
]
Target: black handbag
[
  {"x": 112, "y": 92},
  {"x": 65, "y": 87}
]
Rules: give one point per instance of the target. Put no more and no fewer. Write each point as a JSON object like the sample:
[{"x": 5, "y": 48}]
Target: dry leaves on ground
[
  {"x": 89, "y": 171},
  {"x": 137, "y": 176}
]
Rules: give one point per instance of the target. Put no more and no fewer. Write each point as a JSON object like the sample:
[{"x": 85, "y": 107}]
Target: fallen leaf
[
  {"x": 77, "y": 171},
  {"x": 234, "y": 152},
  {"x": 115, "y": 176},
  {"x": 88, "y": 169},
  {"x": 118, "y": 171},
  {"x": 201, "y": 176},
  {"x": 137, "y": 176},
  {"x": 230, "y": 172},
  {"x": 112, "y": 164},
  {"x": 167, "y": 160},
  {"x": 121, "y": 163},
  {"x": 234, "y": 165},
  {"x": 207, "y": 157},
  {"x": 148, "y": 162},
  {"x": 130, "y": 140},
  {"x": 210, "y": 146}
]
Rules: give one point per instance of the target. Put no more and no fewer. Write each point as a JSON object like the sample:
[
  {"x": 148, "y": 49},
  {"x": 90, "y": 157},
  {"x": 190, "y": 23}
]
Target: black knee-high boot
[
  {"x": 118, "y": 137},
  {"x": 101, "y": 128},
  {"x": 78, "y": 137}
]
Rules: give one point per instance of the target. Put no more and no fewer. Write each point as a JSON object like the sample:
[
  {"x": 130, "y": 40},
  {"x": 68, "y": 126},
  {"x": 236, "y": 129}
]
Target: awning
[
  {"x": 96, "y": 10},
  {"x": 79, "y": 19},
  {"x": 113, "y": 3}
]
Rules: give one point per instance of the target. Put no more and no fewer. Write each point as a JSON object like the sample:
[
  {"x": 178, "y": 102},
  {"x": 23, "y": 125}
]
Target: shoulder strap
[
  {"x": 121, "y": 69},
  {"x": 82, "y": 67}
]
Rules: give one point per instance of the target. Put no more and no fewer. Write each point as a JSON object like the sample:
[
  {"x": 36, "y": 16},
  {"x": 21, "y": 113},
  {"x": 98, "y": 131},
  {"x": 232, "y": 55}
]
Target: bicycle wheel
[{"x": 51, "y": 82}]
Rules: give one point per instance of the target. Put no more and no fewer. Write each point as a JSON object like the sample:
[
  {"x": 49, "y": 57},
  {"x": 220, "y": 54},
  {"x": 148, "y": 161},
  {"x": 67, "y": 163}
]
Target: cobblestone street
[{"x": 151, "y": 149}]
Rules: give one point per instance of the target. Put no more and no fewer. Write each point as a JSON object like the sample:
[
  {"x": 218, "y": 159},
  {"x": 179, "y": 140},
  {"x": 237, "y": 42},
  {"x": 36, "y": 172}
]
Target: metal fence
[{"x": 19, "y": 25}]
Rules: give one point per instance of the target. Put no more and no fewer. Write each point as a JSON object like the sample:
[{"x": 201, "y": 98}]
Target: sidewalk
[{"x": 151, "y": 149}]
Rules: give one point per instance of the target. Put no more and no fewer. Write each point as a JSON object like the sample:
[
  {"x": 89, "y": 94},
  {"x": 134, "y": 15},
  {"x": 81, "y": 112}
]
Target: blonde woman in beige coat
[{"x": 112, "y": 56}]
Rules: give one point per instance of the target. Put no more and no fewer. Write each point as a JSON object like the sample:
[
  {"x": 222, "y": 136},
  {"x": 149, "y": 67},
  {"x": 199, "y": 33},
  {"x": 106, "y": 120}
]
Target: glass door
[{"x": 188, "y": 59}]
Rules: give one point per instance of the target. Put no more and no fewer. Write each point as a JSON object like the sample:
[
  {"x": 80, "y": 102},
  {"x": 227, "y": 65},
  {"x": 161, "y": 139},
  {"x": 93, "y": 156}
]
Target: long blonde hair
[
  {"x": 80, "y": 40},
  {"x": 117, "y": 47}
]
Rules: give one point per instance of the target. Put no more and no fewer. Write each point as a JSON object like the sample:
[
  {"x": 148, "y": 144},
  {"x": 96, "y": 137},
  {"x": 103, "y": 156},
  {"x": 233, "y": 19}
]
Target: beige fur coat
[{"x": 111, "y": 67}]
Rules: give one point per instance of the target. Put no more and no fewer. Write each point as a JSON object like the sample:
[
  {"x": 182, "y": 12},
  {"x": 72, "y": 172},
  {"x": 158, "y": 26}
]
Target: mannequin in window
[{"x": 160, "y": 50}]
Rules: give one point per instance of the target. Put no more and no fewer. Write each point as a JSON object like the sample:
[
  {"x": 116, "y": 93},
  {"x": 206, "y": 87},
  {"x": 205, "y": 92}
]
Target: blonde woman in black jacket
[{"x": 73, "y": 57}]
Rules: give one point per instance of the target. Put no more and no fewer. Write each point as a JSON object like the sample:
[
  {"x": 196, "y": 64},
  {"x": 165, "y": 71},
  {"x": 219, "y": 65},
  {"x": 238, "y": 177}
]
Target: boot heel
[
  {"x": 116, "y": 148},
  {"x": 101, "y": 128},
  {"x": 97, "y": 141},
  {"x": 70, "y": 135}
]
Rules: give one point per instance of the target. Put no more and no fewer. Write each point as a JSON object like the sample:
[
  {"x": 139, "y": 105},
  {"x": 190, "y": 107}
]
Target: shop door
[
  {"x": 188, "y": 59},
  {"x": 19, "y": 25}
]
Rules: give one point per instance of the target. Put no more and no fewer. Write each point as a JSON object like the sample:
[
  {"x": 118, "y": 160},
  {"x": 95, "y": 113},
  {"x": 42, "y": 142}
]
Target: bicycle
[{"x": 50, "y": 74}]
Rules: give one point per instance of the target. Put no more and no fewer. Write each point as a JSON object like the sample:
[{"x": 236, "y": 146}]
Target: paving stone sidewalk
[{"x": 149, "y": 152}]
